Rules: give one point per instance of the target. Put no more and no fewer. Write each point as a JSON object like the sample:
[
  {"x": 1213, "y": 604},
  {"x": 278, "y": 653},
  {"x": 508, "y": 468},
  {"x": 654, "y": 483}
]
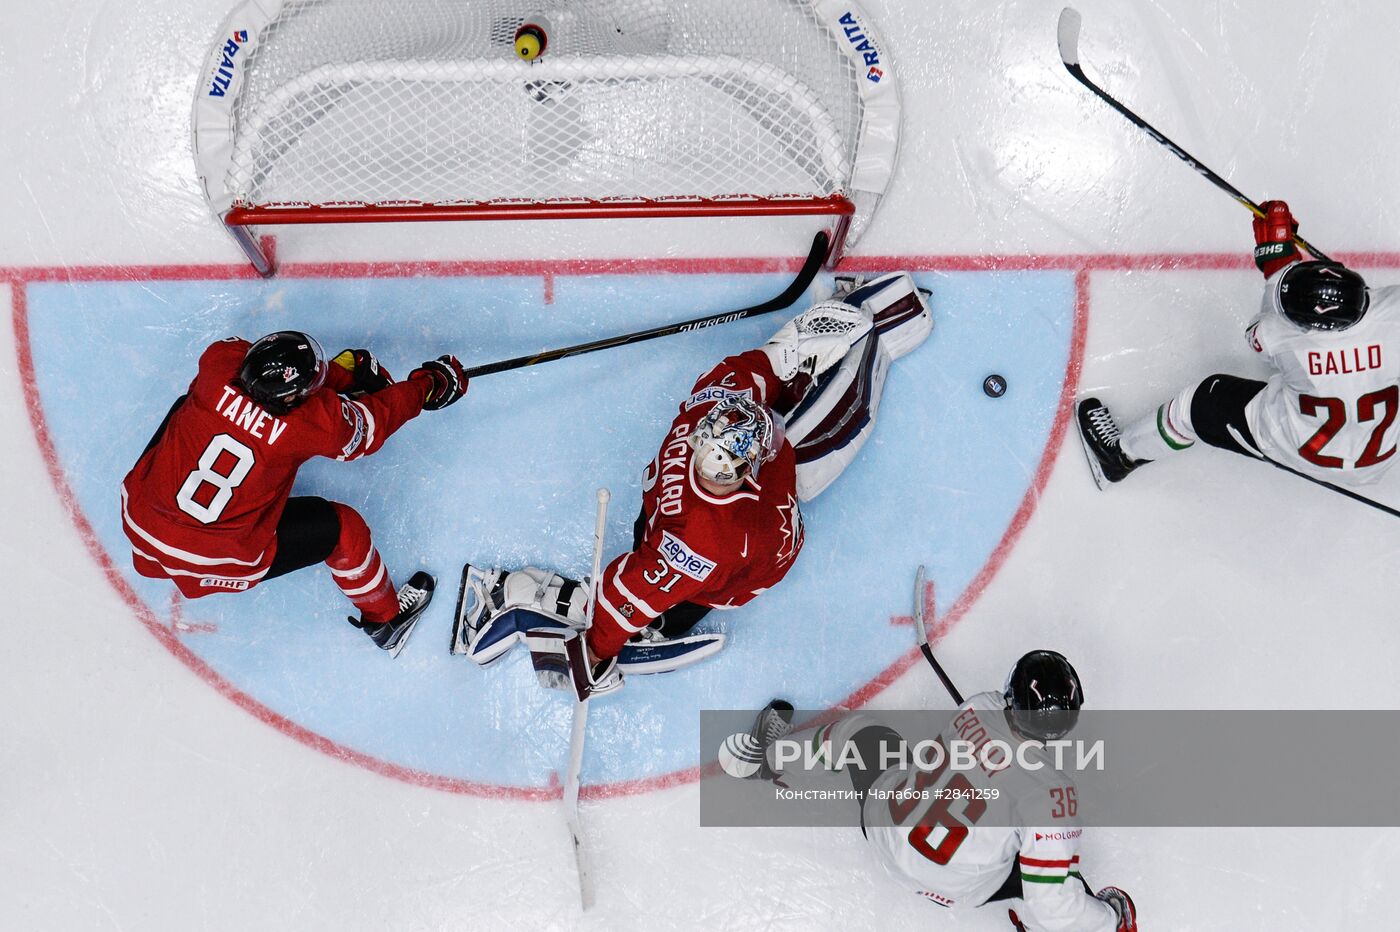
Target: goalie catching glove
[{"x": 815, "y": 340}]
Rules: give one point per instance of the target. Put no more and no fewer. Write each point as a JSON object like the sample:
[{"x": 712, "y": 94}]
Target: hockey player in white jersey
[
  {"x": 1329, "y": 411},
  {"x": 924, "y": 824}
]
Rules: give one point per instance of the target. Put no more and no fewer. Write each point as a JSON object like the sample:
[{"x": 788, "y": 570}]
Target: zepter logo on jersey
[{"x": 735, "y": 438}]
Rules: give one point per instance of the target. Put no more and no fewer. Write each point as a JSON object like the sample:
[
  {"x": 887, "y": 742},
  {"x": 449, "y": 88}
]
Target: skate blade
[
  {"x": 459, "y": 642},
  {"x": 1095, "y": 468},
  {"x": 413, "y": 626},
  {"x": 472, "y": 602}
]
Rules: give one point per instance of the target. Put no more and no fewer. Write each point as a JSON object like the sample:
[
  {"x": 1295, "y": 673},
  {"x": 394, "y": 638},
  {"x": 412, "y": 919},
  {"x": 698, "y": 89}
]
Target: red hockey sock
[{"x": 358, "y": 570}]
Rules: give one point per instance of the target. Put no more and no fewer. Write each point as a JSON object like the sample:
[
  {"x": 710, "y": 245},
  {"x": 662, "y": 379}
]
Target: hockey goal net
[{"x": 323, "y": 111}]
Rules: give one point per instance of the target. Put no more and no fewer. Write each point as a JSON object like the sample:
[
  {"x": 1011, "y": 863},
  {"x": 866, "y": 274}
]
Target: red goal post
[{"x": 351, "y": 111}]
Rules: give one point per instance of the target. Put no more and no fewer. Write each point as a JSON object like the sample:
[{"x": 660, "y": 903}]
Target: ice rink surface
[{"x": 249, "y": 762}]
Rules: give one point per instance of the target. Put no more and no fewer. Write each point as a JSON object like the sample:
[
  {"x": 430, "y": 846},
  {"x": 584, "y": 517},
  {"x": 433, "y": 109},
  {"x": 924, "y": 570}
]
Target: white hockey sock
[{"x": 1166, "y": 430}]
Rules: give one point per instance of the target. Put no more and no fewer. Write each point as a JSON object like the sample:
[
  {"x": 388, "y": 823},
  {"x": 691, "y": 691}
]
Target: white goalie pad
[
  {"x": 833, "y": 422},
  {"x": 495, "y": 607},
  {"x": 560, "y": 659},
  {"x": 665, "y": 655},
  {"x": 835, "y": 418},
  {"x": 898, "y": 308}
]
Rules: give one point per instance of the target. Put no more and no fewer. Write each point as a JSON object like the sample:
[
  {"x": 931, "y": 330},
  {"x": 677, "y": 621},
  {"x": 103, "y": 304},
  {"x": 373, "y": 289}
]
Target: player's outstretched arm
[{"x": 362, "y": 425}]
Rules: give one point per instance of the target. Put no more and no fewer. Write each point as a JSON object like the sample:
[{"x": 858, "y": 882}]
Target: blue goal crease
[{"x": 507, "y": 477}]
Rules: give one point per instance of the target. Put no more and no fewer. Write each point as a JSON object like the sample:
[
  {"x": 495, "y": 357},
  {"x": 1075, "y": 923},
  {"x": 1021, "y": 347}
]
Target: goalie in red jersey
[
  {"x": 721, "y": 519},
  {"x": 208, "y": 505}
]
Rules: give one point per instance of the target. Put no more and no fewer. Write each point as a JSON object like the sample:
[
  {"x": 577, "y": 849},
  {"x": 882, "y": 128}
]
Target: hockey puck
[{"x": 994, "y": 386}]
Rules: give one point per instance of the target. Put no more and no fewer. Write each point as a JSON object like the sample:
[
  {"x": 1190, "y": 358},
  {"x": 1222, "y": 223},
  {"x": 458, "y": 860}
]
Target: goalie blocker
[{"x": 821, "y": 379}]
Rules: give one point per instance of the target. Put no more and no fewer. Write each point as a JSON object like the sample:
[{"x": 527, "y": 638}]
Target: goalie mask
[{"x": 735, "y": 439}]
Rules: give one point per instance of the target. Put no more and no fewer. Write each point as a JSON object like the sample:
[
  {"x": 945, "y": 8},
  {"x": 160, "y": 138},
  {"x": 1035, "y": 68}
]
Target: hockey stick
[
  {"x": 791, "y": 293},
  {"x": 1335, "y": 488},
  {"x": 921, "y": 637},
  {"x": 580, "y": 724},
  {"x": 1070, "y": 23}
]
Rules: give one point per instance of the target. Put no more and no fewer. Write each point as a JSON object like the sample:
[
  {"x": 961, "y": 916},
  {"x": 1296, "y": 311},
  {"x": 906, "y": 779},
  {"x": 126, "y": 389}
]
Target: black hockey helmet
[
  {"x": 282, "y": 369},
  {"x": 1322, "y": 295},
  {"x": 1043, "y": 695}
]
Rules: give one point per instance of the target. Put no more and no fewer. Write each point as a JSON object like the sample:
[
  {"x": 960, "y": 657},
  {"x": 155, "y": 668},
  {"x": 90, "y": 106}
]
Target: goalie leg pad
[
  {"x": 900, "y": 311},
  {"x": 835, "y": 419},
  {"x": 494, "y": 608},
  {"x": 664, "y": 656},
  {"x": 540, "y": 590},
  {"x": 560, "y": 659}
]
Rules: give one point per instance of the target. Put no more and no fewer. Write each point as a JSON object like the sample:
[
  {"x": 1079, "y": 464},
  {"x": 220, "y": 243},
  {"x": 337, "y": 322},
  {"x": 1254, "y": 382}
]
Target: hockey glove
[
  {"x": 1122, "y": 905},
  {"x": 1273, "y": 237},
  {"x": 366, "y": 375},
  {"x": 444, "y": 382}
]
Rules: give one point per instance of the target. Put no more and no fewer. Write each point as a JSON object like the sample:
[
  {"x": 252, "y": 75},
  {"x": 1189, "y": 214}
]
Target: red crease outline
[{"x": 19, "y": 278}]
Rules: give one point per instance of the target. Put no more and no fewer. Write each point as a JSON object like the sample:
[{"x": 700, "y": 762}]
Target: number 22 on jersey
[{"x": 1377, "y": 406}]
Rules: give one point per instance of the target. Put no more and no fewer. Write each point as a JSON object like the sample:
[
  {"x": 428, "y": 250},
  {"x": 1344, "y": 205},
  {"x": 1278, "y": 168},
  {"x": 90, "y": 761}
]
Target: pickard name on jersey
[{"x": 717, "y": 551}]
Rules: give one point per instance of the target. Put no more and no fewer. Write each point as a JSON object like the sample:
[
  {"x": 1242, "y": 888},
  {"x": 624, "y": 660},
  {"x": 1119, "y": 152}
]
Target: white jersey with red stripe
[
  {"x": 711, "y": 550},
  {"x": 1330, "y": 410},
  {"x": 936, "y": 847}
]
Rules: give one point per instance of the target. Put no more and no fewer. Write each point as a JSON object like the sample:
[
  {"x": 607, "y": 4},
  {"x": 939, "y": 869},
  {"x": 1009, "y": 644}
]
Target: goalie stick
[
  {"x": 580, "y": 723},
  {"x": 1069, "y": 27},
  {"x": 921, "y": 638},
  {"x": 810, "y": 267}
]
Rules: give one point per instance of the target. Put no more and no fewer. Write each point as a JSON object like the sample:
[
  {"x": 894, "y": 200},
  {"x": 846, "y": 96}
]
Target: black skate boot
[
  {"x": 1099, "y": 434},
  {"x": 773, "y": 724},
  {"x": 392, "y": 635}
]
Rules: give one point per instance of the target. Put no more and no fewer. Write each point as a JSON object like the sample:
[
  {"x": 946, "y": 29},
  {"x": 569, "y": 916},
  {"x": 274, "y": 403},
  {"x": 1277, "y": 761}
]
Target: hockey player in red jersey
[
  {"x": 968, "y": 838},
  {"x": 721, "y": 519},
  {"x": 1329, "y": 411},
  {"x": 208, "y": 505}
]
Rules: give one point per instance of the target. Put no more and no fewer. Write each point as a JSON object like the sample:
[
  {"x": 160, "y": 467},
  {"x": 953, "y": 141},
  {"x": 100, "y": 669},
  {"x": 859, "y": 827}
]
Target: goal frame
[{"x": 215, "y": 134}]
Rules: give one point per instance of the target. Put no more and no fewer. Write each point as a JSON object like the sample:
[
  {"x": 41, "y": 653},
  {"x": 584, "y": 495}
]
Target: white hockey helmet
[{"x": 735, "y": 438}]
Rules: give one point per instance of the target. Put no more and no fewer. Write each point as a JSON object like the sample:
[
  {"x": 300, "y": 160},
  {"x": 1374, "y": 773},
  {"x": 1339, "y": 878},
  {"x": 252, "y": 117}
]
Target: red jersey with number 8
[{"x": 201, "y": 505}]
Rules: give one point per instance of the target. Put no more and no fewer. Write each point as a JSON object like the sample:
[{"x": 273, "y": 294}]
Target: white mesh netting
[{"x": 396, "y": 102}]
